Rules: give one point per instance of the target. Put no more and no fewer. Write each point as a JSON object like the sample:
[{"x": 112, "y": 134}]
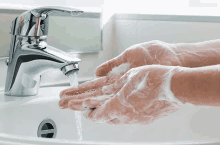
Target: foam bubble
[
  {"x": 103, "y": 97},
  {"x": 142, "y": 84},
  {"x": 133, "y": 72},
  {"x": 120, "y": 69},
  {"x": 167, "y": 94}
]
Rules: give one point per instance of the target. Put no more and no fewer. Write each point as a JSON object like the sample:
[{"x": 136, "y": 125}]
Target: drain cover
[{"x": 47, "y": 129}]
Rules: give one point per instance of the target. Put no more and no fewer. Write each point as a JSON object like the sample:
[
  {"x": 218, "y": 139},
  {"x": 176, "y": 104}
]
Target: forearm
[
  {"x": 198, "y": 54},
  {"x": 198, "y": 86}
]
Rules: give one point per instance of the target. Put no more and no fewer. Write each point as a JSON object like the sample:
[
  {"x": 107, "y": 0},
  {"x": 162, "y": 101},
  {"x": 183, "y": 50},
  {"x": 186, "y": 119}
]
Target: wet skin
[{"x": 123, "y": 103}]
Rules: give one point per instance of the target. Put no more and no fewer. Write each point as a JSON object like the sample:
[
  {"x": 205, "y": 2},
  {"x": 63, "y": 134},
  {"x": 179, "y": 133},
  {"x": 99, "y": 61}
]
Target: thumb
[{"x": 105, "y": 68}]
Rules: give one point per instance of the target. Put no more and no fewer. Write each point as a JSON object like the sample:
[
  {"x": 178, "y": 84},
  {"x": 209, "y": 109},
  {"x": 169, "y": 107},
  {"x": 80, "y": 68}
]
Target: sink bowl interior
[{"x": 22, "y": 116}]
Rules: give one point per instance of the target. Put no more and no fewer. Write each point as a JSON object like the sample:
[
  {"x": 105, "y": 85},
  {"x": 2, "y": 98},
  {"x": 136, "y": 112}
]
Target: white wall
[
  {"x": 74, "y": 34},
  {"x": 130, "y": 32},
  {"x": 5, "y": 23},
  {"x": 166, "y": 7}
]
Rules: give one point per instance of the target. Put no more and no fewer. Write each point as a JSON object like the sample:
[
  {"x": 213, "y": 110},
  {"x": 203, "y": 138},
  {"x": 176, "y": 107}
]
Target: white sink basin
[{"x": 22, "y": 116}]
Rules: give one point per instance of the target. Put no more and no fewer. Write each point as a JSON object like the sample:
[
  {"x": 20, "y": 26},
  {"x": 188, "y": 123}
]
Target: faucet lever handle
[
  {"x": 44, "y": 11},
  {"x": 35, "y": 22}
]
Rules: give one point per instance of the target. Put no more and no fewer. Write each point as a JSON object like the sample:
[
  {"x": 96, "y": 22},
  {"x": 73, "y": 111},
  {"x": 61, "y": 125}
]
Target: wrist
[
  {"x": 197, "y": 54},
  {"x": 176, "y": 87},
  {"x": 197, "y": 86},
  {"x": 184, "y": 59},
  {"x": 167, "y": 93}
]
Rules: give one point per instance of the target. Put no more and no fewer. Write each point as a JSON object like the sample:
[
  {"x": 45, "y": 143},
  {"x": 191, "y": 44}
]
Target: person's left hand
[{"x": 140, "y": 96}]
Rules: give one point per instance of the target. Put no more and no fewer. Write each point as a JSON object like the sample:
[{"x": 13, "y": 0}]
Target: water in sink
[{"x": 73, "y": 78}]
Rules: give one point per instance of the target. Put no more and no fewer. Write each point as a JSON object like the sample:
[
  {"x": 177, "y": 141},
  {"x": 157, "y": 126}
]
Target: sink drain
[{"x": 47, "y": 129}]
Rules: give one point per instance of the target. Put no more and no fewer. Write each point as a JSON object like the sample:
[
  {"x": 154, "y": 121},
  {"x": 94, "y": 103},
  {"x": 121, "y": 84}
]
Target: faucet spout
[{"x": 32, "y": 58}]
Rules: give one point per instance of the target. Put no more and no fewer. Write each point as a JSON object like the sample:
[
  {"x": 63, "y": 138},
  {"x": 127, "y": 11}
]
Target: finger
[
  {"x": 143, "y": 120},
  {"x": 105, "y": 68},
  {"x": 106, "y": 90},
  {"x": 106, "y": 112},
  {"x": 112, "y": 109},
  {"x": 99, "y": 115},
  {"x": 130, "y": 87},
  {"x": 113, "y": 106},
  {"x": 79, "y": 105},
  {"x": 113, "y": 78},
  {"x": 63, "y": 103},
  {"x": 82, "y": 88},
  {"x": 116, "y": 86},
  {"x": 131, "y": 118},
  {"x": 76, "y": 105},
  {"x": 115, "y": 121}
]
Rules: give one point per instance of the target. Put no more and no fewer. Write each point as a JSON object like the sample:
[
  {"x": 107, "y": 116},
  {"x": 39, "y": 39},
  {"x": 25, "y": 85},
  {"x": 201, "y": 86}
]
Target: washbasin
[
  {"x": 21, "y": 117},
  {"x": 34, "y": 117}
]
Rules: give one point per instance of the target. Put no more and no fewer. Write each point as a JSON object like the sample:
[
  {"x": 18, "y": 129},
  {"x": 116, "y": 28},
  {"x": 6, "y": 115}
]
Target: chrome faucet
[{"x": 30, "y": 56}]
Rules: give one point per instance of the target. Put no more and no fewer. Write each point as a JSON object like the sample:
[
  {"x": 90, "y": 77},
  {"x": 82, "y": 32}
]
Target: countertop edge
[{"x": 158, "y": 17}]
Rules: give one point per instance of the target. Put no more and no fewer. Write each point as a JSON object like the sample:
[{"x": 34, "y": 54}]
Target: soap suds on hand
[
  {"x": 132, "y": 73},
  {"x": 142, "y": 84},
  {"x": 167, "y": 93},
  {"x": 106, "y": 90},
  {"x": 120, "y": 69},
  {"x": 103, "y": 97}
]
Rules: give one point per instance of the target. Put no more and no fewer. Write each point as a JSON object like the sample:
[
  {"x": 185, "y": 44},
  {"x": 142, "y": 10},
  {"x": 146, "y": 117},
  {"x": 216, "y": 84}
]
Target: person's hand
[
  {"x": 140, "y": 96},
  {"x": 147, "y": 53}
]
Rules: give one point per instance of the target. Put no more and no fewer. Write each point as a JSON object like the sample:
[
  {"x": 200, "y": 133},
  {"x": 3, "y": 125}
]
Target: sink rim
[
  {"x": 14, "y": 139},
  {"x": 45, "y": 95}
]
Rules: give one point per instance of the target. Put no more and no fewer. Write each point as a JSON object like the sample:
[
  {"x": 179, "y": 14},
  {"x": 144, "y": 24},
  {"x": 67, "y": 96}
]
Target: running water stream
[{"x": 73, "y": 78}]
